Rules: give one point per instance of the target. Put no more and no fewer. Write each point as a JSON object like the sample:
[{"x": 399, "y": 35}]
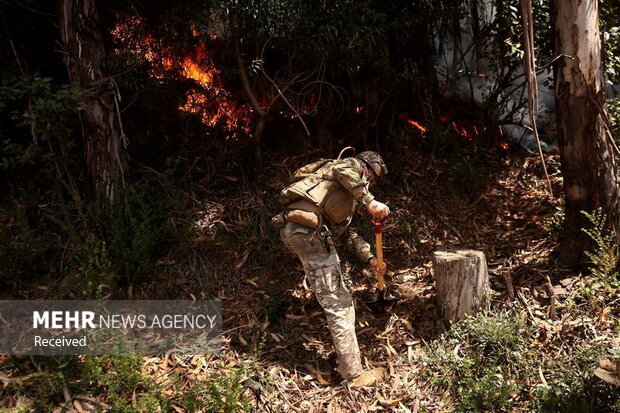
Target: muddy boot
[{"x": 367, "y": 378}]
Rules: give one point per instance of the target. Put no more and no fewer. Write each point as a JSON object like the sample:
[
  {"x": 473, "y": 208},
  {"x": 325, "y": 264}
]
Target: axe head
[{"x": 382, "y": 303}]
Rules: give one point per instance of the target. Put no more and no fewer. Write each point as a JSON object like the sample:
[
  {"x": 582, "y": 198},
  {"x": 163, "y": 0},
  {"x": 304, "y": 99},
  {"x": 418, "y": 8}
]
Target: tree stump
[{"x": 462, "y": 283}]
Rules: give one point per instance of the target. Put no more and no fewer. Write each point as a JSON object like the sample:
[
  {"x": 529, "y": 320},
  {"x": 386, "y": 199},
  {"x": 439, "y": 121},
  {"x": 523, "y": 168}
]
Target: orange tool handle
[{"x": 379, "y": 254}]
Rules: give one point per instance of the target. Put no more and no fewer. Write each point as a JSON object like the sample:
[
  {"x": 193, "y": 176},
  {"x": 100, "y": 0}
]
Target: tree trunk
[
  {"x": 104, "y": 143},
  {"x": 589, "y": 163},
  {"x": 462, "y": 283},
  {"x": 260, "y": 113},
  {"x": 258, "y": 150}
]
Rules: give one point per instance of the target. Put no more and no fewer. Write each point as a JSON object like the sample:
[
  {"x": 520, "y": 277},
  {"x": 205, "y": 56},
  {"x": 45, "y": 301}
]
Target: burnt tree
[
  {"x": 588, "y": 153},
  {"x": 84, "y": 53}
]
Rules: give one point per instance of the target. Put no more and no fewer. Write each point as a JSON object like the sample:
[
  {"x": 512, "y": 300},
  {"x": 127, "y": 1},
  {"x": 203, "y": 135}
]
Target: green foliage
[
  {"x": 119, "y": 378},
  {"x": 491, "y": 362},
  {"x": 411, "y": 229},
  {"x": 24, "y": 247},
  {"x": 609, "y": 18},
  {"x": 475, "y": 360},
  {"x": 557, "y": 223},
  {"x": 120, "y": 381},
  {"x": 604, "y": 256},
  {"x": 487, "y": 390},
  {"x": 573, "y": 387},
  {"x": 220, "y": 392},
  {"x": 96, "y": 272},
  {"x": 350, "y": 32},
  {"x": 35, "y": 108},
  {"x": 225, "y": 390},
  {"x": 95, "y": 246},
  {"x": 270, "y": 18},
  {"x": 122, "y": 240},
  {"x": 466, "y": 173},
  {"x": 126, "y": 373},
  {"x": 613, "y": 107}
]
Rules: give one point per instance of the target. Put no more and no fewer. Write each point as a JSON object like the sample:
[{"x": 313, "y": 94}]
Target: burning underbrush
[
  {"x": 207, "y": 97},
  {"x": 458, "y": 128}
]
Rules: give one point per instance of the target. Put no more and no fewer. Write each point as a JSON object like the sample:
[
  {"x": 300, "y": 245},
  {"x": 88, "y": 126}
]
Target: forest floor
[
  {"x": 536, "y": 349},
  {"x": 279, "y": 332}
]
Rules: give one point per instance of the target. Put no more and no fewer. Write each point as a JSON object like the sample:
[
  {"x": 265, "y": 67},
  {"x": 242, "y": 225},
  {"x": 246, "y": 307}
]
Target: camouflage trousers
[{"x": 324, "y": 274}]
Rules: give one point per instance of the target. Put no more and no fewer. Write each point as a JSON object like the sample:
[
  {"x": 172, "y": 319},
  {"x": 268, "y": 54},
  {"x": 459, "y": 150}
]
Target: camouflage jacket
[{"x": 336, "y": 188}]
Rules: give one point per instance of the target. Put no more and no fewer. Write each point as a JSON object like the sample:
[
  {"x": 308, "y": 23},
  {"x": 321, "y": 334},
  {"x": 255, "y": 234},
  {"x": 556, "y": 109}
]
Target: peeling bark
[
  {"x": 104, "y": 142},
  {"x": 589, "y": 163}
]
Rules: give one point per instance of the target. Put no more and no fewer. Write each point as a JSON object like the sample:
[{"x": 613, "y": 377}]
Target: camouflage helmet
[{"x": 374, "y": 161}]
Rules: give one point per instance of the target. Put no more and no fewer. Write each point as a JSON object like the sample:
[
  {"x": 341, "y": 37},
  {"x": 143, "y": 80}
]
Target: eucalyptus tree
[
  {"x": 84, "y": 53},
  {"x": 589, "y": 154}
]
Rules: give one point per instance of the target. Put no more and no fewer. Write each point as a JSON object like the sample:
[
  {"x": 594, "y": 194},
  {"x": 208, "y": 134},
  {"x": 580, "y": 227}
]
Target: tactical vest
[{"x": 319, "y": 187}]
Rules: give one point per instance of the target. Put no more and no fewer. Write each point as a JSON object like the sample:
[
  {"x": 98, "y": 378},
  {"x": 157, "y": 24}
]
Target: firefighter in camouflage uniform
[{"x": 319, "y": 207}]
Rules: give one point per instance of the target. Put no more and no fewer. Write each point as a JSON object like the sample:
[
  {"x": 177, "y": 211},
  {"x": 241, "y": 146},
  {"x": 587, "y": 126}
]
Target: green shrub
[
  {"x": 411, "y": 229},
  {"x": 91, "y": 245},
  {"x": 491, "y": 362},
  {"x": 556, "y": 224},
  {"x": 37, "y": 119},
  {"x": 113, "y": 374},
  {"x": 573, "y": 386},
  {"x": 117, "y": 379},
  {"x": 121, "y": 381},
  {"x": 477, "y": 361},
  {"x": 118, "y": 243},
  {"x": 486, "y": 391},
  {"x": 604, "y": 256},
  {"x": 221, "y": 392}
]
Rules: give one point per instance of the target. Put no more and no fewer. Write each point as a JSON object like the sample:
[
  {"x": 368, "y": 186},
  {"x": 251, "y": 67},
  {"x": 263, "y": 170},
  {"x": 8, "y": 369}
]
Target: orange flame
[
  {"x": 209, "y": 100},
  {"x": 195, "y": 72},
  {"x": 417, "y": 125},
  {"x": 467, "y": 132}
]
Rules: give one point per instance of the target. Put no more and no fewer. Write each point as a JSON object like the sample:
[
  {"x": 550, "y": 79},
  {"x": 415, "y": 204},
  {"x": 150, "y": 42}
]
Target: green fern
[{"x": 604, "y": 255}]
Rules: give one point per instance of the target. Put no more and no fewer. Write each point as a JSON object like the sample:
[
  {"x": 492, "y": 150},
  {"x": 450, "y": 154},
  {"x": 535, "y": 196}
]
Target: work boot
[{"x": 367, "y": 378}]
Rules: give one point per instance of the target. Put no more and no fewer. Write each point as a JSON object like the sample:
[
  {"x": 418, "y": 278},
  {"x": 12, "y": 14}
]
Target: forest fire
[
  {"x": 417, "y": 125},
  {"x": 467, "y": 132},
  {"x": 208, "y": 99},
  {"x": 212, "y": 102}
]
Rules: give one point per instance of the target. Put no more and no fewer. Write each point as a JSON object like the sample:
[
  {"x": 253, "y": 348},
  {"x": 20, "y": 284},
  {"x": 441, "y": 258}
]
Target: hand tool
[{"x": 382, "y": 302}]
